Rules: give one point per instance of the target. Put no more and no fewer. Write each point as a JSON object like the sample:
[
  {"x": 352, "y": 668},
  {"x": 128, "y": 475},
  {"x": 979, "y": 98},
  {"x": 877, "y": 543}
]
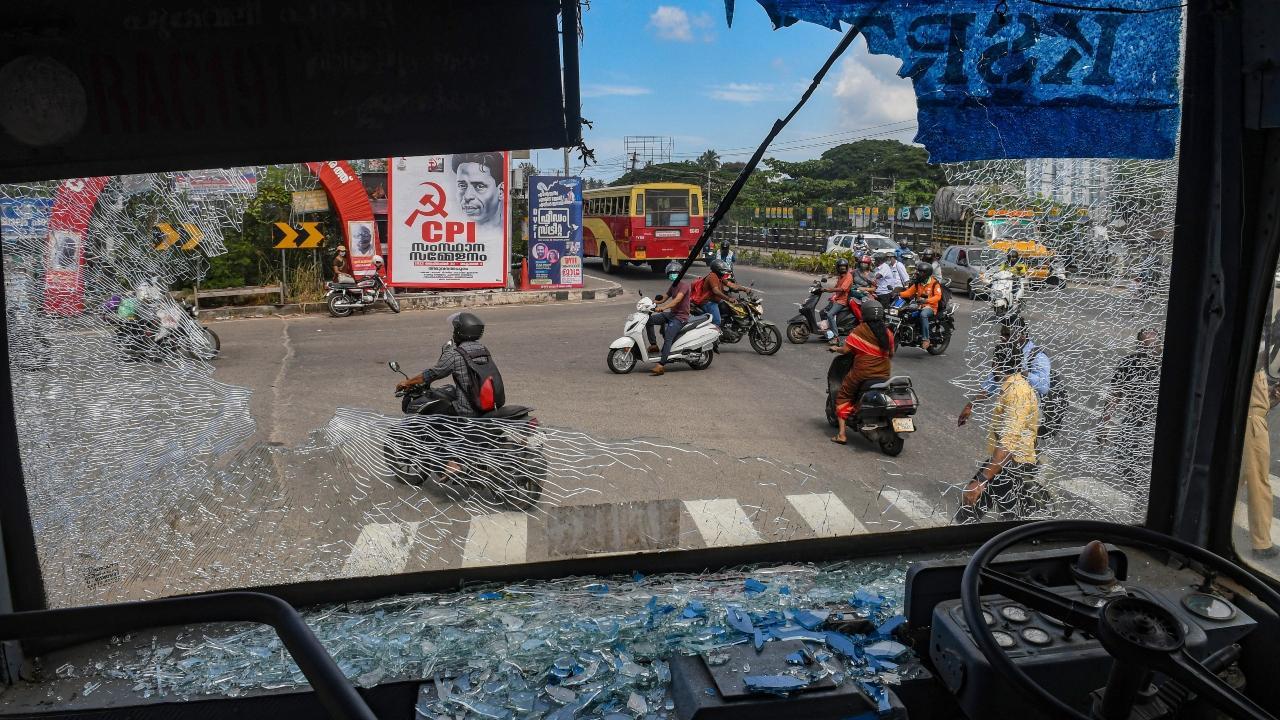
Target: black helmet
[
  {"x": 718, "y": 267},
  {"x": 1013, "y": 328},
  {"x": 1012, "y": 257},
  {"x": 466, "y": 326},
  {"x": 872, "y": 310},
  {"x": 842, "y": 265},
  {"x": 673, "y": 268},
  {"x": 923, "y": 271}
]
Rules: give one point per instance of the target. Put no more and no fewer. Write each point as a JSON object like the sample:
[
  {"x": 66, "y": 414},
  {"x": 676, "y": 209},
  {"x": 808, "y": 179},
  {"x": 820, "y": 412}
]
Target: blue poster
[
  {"x": 555, "y": 232},
  {"x": 24, "y": 219}
]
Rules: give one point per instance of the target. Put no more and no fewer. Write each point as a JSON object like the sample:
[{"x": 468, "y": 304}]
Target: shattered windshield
[{"x": 202, "y": 361}]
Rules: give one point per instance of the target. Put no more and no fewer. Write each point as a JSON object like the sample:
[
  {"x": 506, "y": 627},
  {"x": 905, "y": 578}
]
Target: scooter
[
  {"x": 885, "y": 410},
  {"x": 694, "y": 344},
  {"x": 903, "y": 317},
  {"x": 344, "y": 298},
  {"x": 811, "y": 321},
  {"x": 1007, "y": 292},
  {"x": 497, "y": 456}
]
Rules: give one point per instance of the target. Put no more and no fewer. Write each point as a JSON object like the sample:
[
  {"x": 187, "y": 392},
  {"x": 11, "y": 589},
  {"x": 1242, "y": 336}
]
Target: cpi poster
[
  {"x": 555, "y": 237},
  {"x": 447, "y": 220}
]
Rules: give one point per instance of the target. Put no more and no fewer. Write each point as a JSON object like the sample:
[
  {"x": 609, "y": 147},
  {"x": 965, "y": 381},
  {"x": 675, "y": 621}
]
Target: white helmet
[{"x": 377, "y": 260}]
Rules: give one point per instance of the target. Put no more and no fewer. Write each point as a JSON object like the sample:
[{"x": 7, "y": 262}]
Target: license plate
[
  {"x": 904, "y": 425},
  {"x": 640, "y": 255}
]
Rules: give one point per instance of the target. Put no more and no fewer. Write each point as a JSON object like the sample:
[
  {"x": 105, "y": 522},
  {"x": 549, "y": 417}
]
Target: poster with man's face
[
  {"x": 447, "y": 220},
  {"x": 363, "y": 247}
]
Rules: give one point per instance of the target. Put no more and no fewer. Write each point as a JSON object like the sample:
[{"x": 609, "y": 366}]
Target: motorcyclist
[
  {"x": 872, "y": 346},
  {"x": 1013, "y": 263},
  {"x": 467, "y": 329},
  {"x": 863, "y": 276},
  {"x": 671, "y": 315},
  {"x": 709, "y": 291},
  {"x": 726, "y": 254},
  {"x": 926, "y": 291},
  {"x": 839, "y": 304}
]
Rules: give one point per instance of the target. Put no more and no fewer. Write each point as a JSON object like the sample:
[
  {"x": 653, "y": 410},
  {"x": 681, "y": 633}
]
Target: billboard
[
  {"x": 447, "y": 220},
  {"x": 24, "y": 219},
  {"x": 555, "y": 237}
]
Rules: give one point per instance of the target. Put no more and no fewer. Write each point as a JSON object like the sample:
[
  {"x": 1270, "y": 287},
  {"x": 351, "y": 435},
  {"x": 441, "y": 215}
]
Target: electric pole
[
  {"x": 633, "y": 161},
  {"x": 566, "y": 162}
]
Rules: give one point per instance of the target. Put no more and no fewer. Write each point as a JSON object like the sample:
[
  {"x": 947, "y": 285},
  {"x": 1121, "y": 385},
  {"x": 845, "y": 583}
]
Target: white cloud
[
  {"x": 598, "y": 90},
  {"x": 869, "y": 92},
  {"x": 741, "y": 92},
  {"x": 671, "y": 22}
]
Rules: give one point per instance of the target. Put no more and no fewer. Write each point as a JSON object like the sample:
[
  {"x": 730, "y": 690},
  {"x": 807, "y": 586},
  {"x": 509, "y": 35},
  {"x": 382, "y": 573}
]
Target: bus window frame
[{"x": 639, "y": 203}]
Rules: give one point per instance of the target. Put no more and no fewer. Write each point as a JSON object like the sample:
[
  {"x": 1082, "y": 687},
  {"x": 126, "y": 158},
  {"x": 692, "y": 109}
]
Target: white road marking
[
  {"x": 1100, "y": 493},
  {"x": 496, "y": 539},
  {"x": 826, "y": 515},
  {"x": 722, "y": 522},
  {"x": 381, "y": 549},
  {"x": 917, "y": 509}
]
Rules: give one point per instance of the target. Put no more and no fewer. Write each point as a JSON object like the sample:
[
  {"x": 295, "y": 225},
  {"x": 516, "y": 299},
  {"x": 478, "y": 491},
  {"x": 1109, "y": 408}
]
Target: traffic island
[{"x": 593, "y": 289}]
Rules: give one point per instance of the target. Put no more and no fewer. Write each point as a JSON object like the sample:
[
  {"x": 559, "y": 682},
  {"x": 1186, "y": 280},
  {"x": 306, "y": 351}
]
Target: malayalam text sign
[
  {"x": 447, "y": 220},
  {"x": 555, "y": 237}
]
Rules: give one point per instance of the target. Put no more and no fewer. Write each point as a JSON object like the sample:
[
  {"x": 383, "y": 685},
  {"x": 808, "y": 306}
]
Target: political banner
[
  {"x": 64, "y": 255},
  {"x": 447, "y": 220},
  {"x": 24, "y": 219},
  {"x": 555, "y": 242}
]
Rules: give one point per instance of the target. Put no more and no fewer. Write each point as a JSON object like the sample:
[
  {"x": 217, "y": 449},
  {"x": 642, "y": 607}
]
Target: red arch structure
[
  {"x": 64, "y": 249},
  {"x": 349, "y": 198}
]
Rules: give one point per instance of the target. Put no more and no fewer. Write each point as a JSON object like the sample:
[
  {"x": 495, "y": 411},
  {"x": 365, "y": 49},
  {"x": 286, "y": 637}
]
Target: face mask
[{"x": 672, "y": 276}]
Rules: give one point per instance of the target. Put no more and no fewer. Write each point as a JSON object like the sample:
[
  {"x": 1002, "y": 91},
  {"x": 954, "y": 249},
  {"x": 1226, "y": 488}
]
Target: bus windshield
[{"x": 666, "y": 208}]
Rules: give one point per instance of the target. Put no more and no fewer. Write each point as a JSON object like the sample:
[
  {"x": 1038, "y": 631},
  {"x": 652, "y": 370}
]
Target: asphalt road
[{"x": 736, "y": 453}]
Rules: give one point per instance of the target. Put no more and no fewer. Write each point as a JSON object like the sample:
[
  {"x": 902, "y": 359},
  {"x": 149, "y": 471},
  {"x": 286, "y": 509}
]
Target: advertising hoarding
[
  {"x": 555, "y": 238},
  {"x": 447, "y": 220}
]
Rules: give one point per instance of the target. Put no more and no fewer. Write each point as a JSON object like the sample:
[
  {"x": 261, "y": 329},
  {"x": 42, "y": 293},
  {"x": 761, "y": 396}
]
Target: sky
[{"x": 677, "y": 70}]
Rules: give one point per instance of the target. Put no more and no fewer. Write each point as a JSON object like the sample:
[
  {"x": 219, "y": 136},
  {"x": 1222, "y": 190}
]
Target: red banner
[
  {"x": 64, "y": 256},
  {"x": 347, "y": 194}
]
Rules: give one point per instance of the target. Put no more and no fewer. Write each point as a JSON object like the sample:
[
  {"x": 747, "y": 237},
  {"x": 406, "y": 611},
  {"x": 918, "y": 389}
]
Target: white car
[{"x": 858, "y": 243}]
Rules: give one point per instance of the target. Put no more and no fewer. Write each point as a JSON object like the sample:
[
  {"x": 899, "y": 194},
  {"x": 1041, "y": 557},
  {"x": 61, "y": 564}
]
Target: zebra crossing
[{"x": 510, "y": 538}]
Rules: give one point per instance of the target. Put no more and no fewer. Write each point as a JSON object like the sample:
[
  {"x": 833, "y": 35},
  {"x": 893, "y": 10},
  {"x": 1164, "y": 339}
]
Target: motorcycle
[
  {"x": 811, "y": 320},
  {"x": 345, "y": 297},
  {"x": 497, "y": 456},
  {"x": 903, "y": 318},
  {"x": 153, "y": 335},
  {"x": 694, "y": 344},
  {"x": 1006, "y": 292},
  {"x": 746, "y": 318},
  {"x": 885, "y": 408}
]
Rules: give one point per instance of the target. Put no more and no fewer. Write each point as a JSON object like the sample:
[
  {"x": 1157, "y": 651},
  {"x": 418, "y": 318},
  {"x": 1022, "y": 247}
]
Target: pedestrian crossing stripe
[
  {"x": 381, "y": 549},
  {"x": 721, "y": 522},
  {"x": 826, "y": 515},
  {"x": 496, "y": 539},
  {"x": 917, "y": 509}
]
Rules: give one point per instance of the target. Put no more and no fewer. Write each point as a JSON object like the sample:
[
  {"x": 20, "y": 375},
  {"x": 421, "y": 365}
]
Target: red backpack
[
  {"x": 698, "y": 291},
  {"x": 487, "y": 391}
]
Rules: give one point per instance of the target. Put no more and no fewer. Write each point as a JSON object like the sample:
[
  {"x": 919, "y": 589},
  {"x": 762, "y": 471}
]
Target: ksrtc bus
[{"x": 652, "y": 223}]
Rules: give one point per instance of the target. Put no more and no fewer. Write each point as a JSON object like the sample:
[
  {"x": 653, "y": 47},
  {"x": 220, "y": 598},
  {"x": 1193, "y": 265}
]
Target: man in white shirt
[{"x": 886, "y": 276}]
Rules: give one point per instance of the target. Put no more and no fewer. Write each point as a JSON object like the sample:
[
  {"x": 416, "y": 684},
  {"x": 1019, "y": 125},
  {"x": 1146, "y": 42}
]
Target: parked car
[{"x": 965, "y": 268}]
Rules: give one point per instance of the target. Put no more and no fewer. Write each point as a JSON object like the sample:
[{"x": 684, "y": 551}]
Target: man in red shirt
[{"x": 839, "y": 298}]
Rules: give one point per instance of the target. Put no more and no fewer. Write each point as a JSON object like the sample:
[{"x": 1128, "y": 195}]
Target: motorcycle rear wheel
[
  {"x": 939, "y": 347},
  {"x": 402, "y": 467},
  {"x": 622, "y": 360},
  {"x": 891, "y": 444},
  {"x": 798, "y": 333},
  {"x": 766, "y": 338},
  {"x": 528, "y": 481},
  {"x": 337, "y": 310}
]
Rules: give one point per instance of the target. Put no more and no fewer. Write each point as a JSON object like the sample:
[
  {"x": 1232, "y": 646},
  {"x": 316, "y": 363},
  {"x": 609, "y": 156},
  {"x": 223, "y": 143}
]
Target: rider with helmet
[
  {"x": 671, "y": 315},
  {"x": 872, "y": 346},
  {"x": 839, "y": 297},
  {"x": 926, "y": 291},
  {"x": 888, "y": 281},
  {"x": 467, "y": 329},
  {"x": 709, "y": 291},
  {"x": 1013, "y": 263}
]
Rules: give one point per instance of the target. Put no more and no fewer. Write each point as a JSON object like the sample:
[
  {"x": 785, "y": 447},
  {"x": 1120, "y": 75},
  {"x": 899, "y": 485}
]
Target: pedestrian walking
[{"x": 1255, "y": 467}]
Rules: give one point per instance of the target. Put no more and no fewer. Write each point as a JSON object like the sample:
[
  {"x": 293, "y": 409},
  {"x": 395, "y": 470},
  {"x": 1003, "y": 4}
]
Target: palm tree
[{"x": 709, "y": 160}]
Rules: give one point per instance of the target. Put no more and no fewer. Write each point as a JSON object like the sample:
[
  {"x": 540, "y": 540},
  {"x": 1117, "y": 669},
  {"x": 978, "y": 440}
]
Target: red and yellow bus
[{"x": 652, "y": 223}]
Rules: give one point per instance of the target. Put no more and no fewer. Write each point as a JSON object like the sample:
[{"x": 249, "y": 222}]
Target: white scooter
[
  {"x": 1007, "y": 292},
  {"x": 694, "y": 344}
]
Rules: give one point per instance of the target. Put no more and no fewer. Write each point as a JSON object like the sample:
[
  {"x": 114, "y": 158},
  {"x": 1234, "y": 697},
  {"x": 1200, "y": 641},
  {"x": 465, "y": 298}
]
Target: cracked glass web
[{"x": 149, "y": 475}]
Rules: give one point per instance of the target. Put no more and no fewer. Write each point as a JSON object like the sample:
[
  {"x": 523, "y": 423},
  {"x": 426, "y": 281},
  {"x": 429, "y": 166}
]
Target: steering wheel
[{"x": 1139, "y": 634}]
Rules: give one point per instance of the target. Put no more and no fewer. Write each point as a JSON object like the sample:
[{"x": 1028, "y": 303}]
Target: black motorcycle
[
  {"x": 745, "y": 318},
  {"x": 152, "y": 335},
  {"x": 885, "y": 410},
  {"x": 811, "y": 320},
  {"x": 903, "y": 318},
  {"x": 343, "y": 298},
  {"x": 496, "y": 456}
]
